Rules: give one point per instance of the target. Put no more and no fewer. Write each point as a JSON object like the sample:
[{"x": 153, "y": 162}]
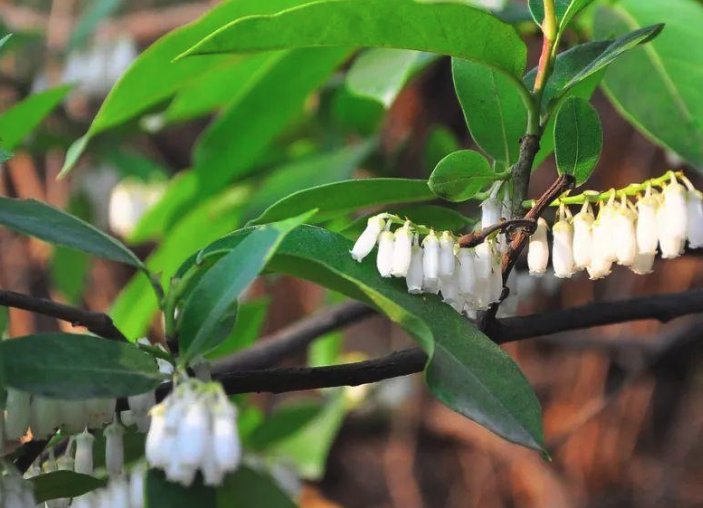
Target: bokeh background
[{"x": 623, "y": 404}]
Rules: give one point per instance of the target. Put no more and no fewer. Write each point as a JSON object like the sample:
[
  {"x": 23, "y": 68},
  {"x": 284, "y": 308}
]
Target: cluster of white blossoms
[
  {"x": 123, "y": 492},
  {"x": 469, "y": 279},
  {"x": 623, "y": 233},
  {"x": 194, "y": 429},
  {"x": 43, "y": 415},
  {"x": 15, "y": 492}
]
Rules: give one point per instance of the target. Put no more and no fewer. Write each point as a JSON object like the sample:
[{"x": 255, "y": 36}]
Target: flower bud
[
  {"x": 84, "y": 453},
  {"x": 384, "y": 258},
  {"x": 44, "y": 416},
  {"x": 430, "y": 261},
  {"x": 624, "y": 236},
  {"x": 402, "y": 251},
  {"x": 562, "y": 250},
  {"x": 538, "y": 250},
  {"x": 583, "y": 237},
  {"x": 647, "y": 237},
  {"x": 694, "y": 220},
  {"x": 415, "y": 273},
  {"x": 114, "y": 449},
  {"x": 18, "y": 414},
  {"x": 367, "y": 241},
  {"x": 446, "y": 255},
  {"x": 490, "y": 209}
]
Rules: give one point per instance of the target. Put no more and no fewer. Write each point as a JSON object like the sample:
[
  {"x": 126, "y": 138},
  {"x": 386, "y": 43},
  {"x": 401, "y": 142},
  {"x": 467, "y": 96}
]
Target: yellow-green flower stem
[
  {"x": 595, "y": 197},
  {"x": 424, "y": 230}
]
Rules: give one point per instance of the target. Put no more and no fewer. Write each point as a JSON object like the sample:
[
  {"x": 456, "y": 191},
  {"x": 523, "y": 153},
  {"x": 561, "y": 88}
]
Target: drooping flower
[
  {"x": 402, "y": 251},
  {"x": 538, "y": 250},
  {"x": 84, "y": 453},
  {"x": 367, "y": 241},
  {"x": 114, "y": 449},
  {"x": 624, "y": 235},
  {"x": 467, "y": 274},
  {"x": 562, "y": 247},
  {"x": 694, "y": 221},
  {"x": 415, "y": 274},
  {"x": 647, "y": 236},
  {"x": 583, "y": 237},
  {"x": 18, "y": 414},
  {"x": 446, "y": 255},
  {"x": 384, "y": 258},
  {"x": 672, "y": 219},
  {"x": 430, "y": 260},
  {"x": 44, "y": 416},
  {"x": 491, "y": 208}
]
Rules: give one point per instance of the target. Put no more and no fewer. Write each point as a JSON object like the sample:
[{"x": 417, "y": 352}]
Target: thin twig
[
  {"x": 97, "y": 322},
  {"x": 474, "y": 239}
]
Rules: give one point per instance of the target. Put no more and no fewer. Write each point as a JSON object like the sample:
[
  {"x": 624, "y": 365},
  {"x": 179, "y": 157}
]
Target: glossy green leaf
[
  {"x": 336, "y": 198},
  {"x": 52, "y": 225},
  {"x": 493, "y": 108},
  {"x": 261, "y": 114},
  {"x": 248, "y": 488},
  {"x": 460, "y": 175},
  {"x": 578, "y": 139},
  {"x": 207, "y": 316},
  {"x": 22, "y": 118},
  {"x": 380, "y": 74},
  {"x": 466, "y": 371},
  {"x": 439, "y": 218},
  {"x": 657, "y": 87},
  {"x": 136, "y": 305},
  {"x": 251, "y": 317},
  {"x": 153, "y": 77},
  {"x": 437, "y": 27},
  {"x": 160, "y": 493},
  {"x": 72, "y": 366},
  {"x": 218, "y": 87},
  {"x": 63, "y": 484}
]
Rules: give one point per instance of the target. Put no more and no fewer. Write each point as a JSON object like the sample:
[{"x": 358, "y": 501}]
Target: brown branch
[
  {"x": 474, "y": 239},
  {"x": 97, "y": 322},
  {"x": 293, "y": 339}
]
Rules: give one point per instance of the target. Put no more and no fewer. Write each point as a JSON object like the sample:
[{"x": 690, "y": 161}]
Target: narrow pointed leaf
[
  {"x": 52, "y": 225},
  {"x": 435, "y": 27},
  {"x": 63, "y": 484},
  {"x": 72, "y": 366},
  {"x": 578, "y": 139}
]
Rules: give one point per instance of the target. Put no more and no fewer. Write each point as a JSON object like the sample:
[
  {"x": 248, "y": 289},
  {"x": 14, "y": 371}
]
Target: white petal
[
  {"x": 430, "y": 260},
  {"x": 402, "y": 251},
  {"x": 415, "y": 274},
  {"x": 18, "y": 414},
  {"x": 491, "y": 209},
  {"x": 44, "y": 416},
  {"x": 384, "y": 258},
  {"x": 156, "y": 453},
  {"x": 695, "y": 219},
  {"x": 538, "y": 250},
  {"x": 226, "y": 443},
  {"x": 647, "y": 237},
  {"x": 643, "y": 263},
  {"x": 141, "y": 404},
  {"x": 674, "y": 209},
  {"x": 446, "y": 255},
  {"x": 367, "y": 241},
  {"x": 193, "y": 437},
  {"x": 467, "y": 273},
  {"x": 562, "y": 250},
  {"x": 625, "y": 237},
  {"x": 583, "y": 239},
  {"x": 84, "y": 453},
  {"x": 114, "y": 449},
  {"x": 73, "y": 415}
]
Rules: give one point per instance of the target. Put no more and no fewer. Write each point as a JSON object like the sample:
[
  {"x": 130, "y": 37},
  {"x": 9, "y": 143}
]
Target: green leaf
[
  {"x": 440, "y": 143},
  {"x": 566, "y": 10},
  {"x": 336, "y": 198},
  {"x": 260, "y": 115},
  {"x": 5, "y": 155},
  {"x": 251, "y": 317},
  {"x": 437, "y": 27},
  {"x": 90, "y": 18},
  {"x": 153, "y": 77},
  {"x": 21, "y": 119},
  {"x": 248, "y": 488},
  {"x": 466, "y": 371},
  {"x": 493, "y": 107},
  {"x": 439, "y": 218},
  {"x": 380, "y": 74},
  {"x": 308, "y": 447},
  {"x": 71, "y": 366},
  {"x": 4, "y": 40},
  {"x": 657, "y": 87},
  {"x": 218, "y": 87},
  {"x": 208, "y": 312},
  {"x": 63, "y": 484},
  {"x": 285, "y": 420},
  {"x": 578, "y": 139},
  {"x": 52, "y": 225},
  {"x": 460, "y": 175},
  {"x": 4, "y": 321},
  {"x": 159, "y": 493}
]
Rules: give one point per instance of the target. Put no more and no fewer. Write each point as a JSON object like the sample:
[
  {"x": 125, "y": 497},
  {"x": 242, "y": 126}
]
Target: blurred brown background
[{"x": 623, "y": 405}]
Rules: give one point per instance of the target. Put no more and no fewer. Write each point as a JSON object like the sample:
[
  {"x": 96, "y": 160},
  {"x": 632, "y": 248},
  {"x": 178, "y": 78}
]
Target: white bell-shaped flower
[
  {"x": 449, "y": 287},
  {"x": 491, "y": 208},
  {"x": 136, "y": 487},
  {"x": 643, "y": 263},
  {"x": 538, "y": 250},
  {"x": 496, "y": 279},
  {"x": 694, "y": 221},
  {"x": 73, "y": 415},
  {"x": 99, "y": 412},
  {"x": 226, "y": 443},
  {"x": 141, "y": 404},
  {"x": 647, "y": 229},
  {"x": 157, "y": 453},
  {"x": 604, "y": 230},
  {"x": 118, "y": 494},
  {"x": 467, "y": 274},
  {"x": 84, "y": 453},
  {"x": 562, "y": 249},
  {"x": 193, "y": 438},
  {"x": 384, "y": 258},
  {"x": 44, "y": 416},
  {"x": 415, "y": 274},
  {"x": 402, "y": 251},
  {"x": 625, "y": 235},
  {"x": 675, "y": 221},
  {"x": 367, "y": 241},
  {"x": 17, "y": 415},
  {"x": 671, "y": 243},
  {"x": 483, "y": 268},
  {"x": 583, "y": 237},
  {"x": 430, "y": 260},
  {"x": 114, "y": 449},
  {"x": 447, "y": 260}
]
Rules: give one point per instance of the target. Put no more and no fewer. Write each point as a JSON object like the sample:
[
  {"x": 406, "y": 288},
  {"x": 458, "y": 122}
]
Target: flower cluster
[
  {"x": 623, "y": 232},
  {"x": 123, "y": 492},
  {"x": 469, "y": 279},
  {"x": 193, "y": 429},
  {"x": 44, "y": 415},
  {"x": 15, "y": 492}
]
